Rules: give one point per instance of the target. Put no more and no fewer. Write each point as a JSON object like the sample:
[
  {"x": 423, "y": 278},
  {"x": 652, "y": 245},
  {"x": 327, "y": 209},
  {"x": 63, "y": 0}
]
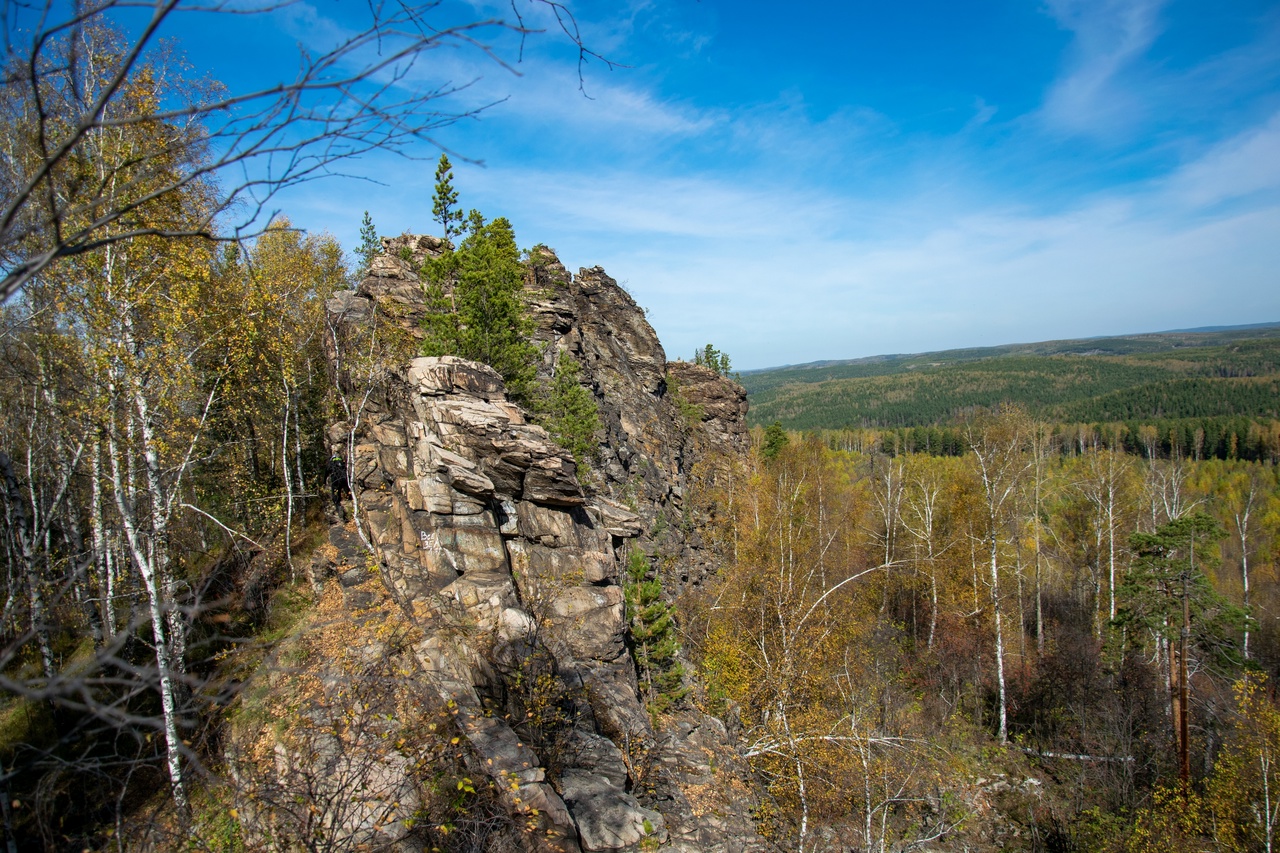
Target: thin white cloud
[
  {"x": 1251, "y": 66},
  {"x": 1109, "y": 36},
  {"x": 784, "y": 236},
  {"x": 982, "y": 114},
  {"x": 1096, "y": 271},
  {"x": 538, "y": 82},
  {"x": 1243, "y": 166},
  {"x": 551, "y": 98},
  {"x": 653, "y": 206},
  {"x": 775, "y": 274}
]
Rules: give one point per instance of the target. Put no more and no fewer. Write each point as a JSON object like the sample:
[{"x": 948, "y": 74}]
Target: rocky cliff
[{"x": 504, "y": 562}]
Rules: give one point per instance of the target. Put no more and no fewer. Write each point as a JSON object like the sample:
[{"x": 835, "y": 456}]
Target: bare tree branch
[{"x": 360, "y": 95}]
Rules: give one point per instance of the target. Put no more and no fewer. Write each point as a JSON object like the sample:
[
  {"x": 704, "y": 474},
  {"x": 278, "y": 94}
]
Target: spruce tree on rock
[
  {"x": 653, "y": 633},
  {"x": 713, "y": 358},
  {"x": 444, "y": 203},
  {"x": 370, "y": 244},
  {"x": 482, "y": 316},
  {"x": 496, "y": 327},
  {"x": 569, "y": 411}
]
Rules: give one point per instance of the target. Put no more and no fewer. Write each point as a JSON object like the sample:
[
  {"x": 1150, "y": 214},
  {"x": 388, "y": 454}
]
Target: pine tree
[
  {"x": 476, "y": 302},
  {"x": 1169, "y": 581},
  {"x": 713, "y": 358},
  {"x": 1169, "y": 596},
  {"x": 775, "y": 438},
  {"x": 370, "y": 244},
  {"x": 445, "y": 201},
  {"x": 569, "y": 411},
  {"x": 496, "y": 327},
  {"x": 441, "y": 324},
  {"x": 656, "y": 649}
]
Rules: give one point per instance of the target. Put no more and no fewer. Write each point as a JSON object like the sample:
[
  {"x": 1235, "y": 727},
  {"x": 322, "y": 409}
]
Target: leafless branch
[{"x": 358, "y": 96}]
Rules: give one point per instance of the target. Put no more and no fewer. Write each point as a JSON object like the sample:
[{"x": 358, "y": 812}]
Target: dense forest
[
  {"x": 1085, "y": 642},
  {"x": 1147, "y": 380},
  {"x": 1060, "y": 547}
]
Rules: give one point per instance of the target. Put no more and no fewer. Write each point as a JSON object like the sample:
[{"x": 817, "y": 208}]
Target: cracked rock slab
[{"x": 607, "y": 817}]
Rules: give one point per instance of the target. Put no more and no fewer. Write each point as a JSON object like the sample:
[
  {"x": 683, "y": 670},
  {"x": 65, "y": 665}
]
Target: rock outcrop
[
  {"x": 660, "y": 417},
  {"x": 507, "y": 560}
]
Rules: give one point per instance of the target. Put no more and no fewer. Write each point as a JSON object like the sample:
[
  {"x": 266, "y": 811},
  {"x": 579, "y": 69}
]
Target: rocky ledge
[{"x": 481, "y": 531}]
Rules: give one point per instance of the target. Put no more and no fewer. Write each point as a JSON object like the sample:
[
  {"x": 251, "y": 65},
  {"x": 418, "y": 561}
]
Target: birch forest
[{"x": 1082, "y": 637}]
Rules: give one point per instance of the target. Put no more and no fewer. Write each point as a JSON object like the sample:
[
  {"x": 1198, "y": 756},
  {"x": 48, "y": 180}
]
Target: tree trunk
[
  {"x": 288, "y": 480},
  {"x": 143, "y": 560},
  {"x": 995, "y": 606},
  {"x": 102, "y": 563},
  {"x": 1184, "y": 727},
  {"x": 1242, "y": 531}
]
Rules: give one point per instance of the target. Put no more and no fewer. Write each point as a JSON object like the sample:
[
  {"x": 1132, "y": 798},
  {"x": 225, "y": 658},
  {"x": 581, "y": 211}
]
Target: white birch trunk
[
  {"x": 142, "y": 557},
  {"x": 995, "y": 605}
]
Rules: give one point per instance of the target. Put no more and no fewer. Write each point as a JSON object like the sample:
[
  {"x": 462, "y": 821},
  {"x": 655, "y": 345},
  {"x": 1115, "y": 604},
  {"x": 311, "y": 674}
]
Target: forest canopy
[
  {"x": 1221, "y": 382},
  {"x": 1107, "y": 618}
]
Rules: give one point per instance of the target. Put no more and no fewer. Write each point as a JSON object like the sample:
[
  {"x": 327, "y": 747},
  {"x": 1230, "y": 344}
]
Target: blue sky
[{"x": 804, "y": 181}]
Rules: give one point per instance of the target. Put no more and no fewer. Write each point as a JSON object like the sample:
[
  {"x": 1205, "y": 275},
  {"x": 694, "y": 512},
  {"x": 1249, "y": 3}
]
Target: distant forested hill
[{"x": 1191, "y": 374}]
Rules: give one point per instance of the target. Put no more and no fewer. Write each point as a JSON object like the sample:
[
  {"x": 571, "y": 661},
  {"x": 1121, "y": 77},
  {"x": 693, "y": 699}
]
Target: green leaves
[
  {"x": 477, "y": 310},
  {"x": 568, "y": 410},
  {"x": 653, "y": 633},
  {"x": 370, "y": 246},
  {"x": 1169, "y": 567},
  {"x": 775, "y": 439},
  {"x": 445, "y": 200},
  {"x": 713, "y": 358}
]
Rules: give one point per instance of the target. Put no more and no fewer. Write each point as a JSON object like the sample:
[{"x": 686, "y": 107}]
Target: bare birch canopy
[{"x": 362, "y": 93}]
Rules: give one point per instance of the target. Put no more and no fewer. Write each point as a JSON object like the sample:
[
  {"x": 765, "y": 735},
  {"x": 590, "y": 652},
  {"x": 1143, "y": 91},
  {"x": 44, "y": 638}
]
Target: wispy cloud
[
  {"x": 1244, "y": 166},
  {"x": 1109, "y": 37},
  {"x": 778, "y": 273},
  {"x": 982, "y": 114},
  {"x": 1142, "y": 192},
  {"x": 549, "y": 98}
]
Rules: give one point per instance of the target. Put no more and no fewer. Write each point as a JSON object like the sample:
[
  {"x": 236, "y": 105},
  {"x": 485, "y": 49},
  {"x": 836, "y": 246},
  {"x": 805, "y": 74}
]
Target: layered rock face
[
  {"x": 508, "y": 560},
  {"x": 661, "y": 418}
]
